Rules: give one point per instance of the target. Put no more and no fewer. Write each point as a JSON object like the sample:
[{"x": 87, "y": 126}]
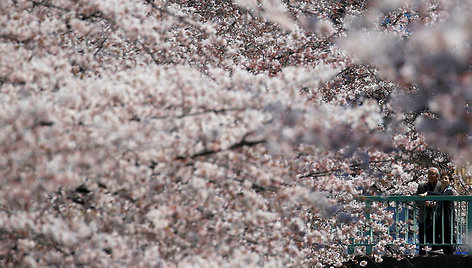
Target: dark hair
[{"x": 450, "y": 177}]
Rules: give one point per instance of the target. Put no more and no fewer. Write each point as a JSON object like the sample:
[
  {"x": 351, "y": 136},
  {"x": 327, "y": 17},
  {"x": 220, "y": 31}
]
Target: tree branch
[{"x": 327, "y": 172}]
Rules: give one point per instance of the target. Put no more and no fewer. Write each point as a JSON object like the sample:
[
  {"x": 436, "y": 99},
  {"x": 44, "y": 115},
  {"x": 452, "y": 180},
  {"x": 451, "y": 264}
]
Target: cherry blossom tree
[{"x": 220, "y": 133}]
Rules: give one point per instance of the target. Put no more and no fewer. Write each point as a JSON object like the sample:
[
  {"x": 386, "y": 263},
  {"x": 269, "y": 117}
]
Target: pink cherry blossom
[{"x": 221, "y": 133}]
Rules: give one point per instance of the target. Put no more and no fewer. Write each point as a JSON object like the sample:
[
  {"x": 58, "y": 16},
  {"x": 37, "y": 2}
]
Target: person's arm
[
  {"x": 447, "y": 192},
  {"x": 420, "y": 189}
]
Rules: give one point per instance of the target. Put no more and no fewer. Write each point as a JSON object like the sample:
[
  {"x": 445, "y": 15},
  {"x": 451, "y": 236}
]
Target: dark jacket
[
  {"x": 446, "y": 209},
  {"x": 424, "y": 211}
]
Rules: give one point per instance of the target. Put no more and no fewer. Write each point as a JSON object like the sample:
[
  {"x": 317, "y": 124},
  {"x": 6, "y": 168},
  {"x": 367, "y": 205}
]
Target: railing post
[
  {"x": 452, "y": 224},
  {"x": 406, "y": 221},
  {"x": 442, "y": 223},
  {"x": 434, "y": 226},
  {"x": 469, "y": 220},
  {"x": 368, "y": 248},
  {"x": 415, "y": 227},
  {"x": 461, "y": 223},
  {"x": 351, "y": 247},
  {"x": 397, "y": 220}
]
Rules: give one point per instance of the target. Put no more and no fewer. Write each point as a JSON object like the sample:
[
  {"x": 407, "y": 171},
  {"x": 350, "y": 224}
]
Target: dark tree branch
[{"x": 328, "y": 172}]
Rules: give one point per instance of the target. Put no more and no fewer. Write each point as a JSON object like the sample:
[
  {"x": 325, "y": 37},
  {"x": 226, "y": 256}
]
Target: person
[
  {"x": 426, "y": 208},
  {"x": 445, "y": 217}
]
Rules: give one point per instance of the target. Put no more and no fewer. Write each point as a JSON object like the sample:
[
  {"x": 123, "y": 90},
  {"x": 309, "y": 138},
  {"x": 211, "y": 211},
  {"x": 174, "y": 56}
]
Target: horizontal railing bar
[
  {"x": 408, "y": 198},
  {"x": 417, "y": 244},
  {"x": 437, "y": 244}
]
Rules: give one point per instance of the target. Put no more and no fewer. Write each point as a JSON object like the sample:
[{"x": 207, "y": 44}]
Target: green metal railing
[{"x": 405, "y": 211}]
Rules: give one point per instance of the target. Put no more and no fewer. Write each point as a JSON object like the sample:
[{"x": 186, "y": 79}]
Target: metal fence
[{"x": 406, "y": 221}]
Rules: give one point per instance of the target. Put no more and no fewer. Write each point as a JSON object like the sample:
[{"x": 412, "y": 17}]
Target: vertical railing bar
[
  {"x": 442, "y": 221},
  {"x": 465, "y": 224},
  {"x": 406, "y": 222},
  {"x": 388, "y": 209},
  {"x": 469, "y": 220},
  {"x": 415, "y": 225},
  {"x": 368, "y": 248},
  {"x": 371, "y": 234},
  {"x": 350, "y": 247},
  {"x": 451, "y": 224},
  {"x": 397, "y": 219},
  {"x": 456, "y": 220},
  {"x": 461, "y": 230},
  {"x": 424, "y": 225},
  {"x": 434, "y": 226},
  {"x": 462, "y": 223}
]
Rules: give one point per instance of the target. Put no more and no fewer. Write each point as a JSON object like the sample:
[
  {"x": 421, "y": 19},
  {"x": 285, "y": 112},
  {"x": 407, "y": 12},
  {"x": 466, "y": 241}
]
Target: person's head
[
  {"x": 446, "y": 180},
  {"x": 433, "y": 175}
]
